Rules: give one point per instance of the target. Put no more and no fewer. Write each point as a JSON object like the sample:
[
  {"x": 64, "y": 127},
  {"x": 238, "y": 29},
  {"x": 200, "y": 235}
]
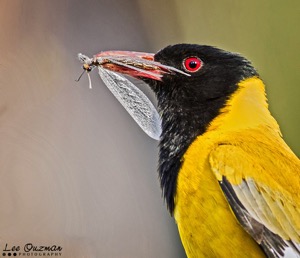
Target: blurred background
[{"x": 76, "y": 171}]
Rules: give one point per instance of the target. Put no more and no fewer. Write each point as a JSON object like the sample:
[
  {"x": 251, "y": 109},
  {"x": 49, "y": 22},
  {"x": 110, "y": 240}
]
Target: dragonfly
[{"x": 135, "y": 102}]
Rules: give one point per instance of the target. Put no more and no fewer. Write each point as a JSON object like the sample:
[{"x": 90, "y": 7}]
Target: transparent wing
[{"x": 134, "y": 101}]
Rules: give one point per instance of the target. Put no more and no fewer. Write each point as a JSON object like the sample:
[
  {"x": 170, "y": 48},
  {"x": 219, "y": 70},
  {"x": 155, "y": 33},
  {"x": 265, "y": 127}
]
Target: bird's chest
[{"x": 206, "y": 224}]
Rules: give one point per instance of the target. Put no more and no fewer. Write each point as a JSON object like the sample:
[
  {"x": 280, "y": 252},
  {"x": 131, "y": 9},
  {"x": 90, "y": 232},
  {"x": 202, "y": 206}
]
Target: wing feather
[{"x": 269, "y": 215}]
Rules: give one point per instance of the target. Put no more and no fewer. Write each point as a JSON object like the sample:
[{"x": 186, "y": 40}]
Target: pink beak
[{"x": 136, "y": 64}]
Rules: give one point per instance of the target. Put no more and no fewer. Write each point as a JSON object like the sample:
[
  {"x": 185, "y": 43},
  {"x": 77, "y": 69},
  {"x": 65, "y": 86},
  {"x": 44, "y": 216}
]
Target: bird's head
[
  {"x": 188, "y": 74},
  {"x": 213, "y": 73},
  {"x": 192, "y": 83},
  {"x": 189, "y": 80}
]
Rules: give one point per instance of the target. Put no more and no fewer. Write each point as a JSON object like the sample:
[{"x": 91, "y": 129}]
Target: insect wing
[{"x": 134, "y": 101}]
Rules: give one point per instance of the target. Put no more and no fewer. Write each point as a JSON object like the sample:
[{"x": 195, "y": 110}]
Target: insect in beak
[
  {"x": 111, "y": 64},
  {"x": 132, "y": 98},
  {"x": 135, "y": 64}
]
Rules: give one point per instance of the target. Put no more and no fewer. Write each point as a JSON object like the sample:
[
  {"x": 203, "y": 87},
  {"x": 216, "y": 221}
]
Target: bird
[{"x": 227, "y": 176}]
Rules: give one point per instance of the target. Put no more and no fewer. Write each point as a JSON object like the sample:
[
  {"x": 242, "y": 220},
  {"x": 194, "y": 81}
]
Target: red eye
[{"x": 192, "y": 64}]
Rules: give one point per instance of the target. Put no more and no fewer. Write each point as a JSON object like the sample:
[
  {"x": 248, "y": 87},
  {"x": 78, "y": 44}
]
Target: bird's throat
[{"x": 179, "y": 129}]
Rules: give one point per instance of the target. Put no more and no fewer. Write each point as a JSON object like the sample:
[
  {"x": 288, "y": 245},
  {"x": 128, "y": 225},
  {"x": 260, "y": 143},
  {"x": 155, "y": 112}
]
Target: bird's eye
[{"x": 192, "y": 64}]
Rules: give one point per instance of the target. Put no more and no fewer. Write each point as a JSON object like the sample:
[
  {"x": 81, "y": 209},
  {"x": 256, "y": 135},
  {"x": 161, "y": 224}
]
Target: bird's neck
[
  {"x": 181, "y": 124},
  {"x": 247, "y": 108}
]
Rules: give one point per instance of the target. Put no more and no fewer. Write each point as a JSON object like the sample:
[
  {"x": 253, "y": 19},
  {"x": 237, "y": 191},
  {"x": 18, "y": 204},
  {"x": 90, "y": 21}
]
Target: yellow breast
[{"x": 206, "y": 224}]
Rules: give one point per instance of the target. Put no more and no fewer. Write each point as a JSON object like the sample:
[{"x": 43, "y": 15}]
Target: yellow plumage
[{"x": 244, "y": 145}]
